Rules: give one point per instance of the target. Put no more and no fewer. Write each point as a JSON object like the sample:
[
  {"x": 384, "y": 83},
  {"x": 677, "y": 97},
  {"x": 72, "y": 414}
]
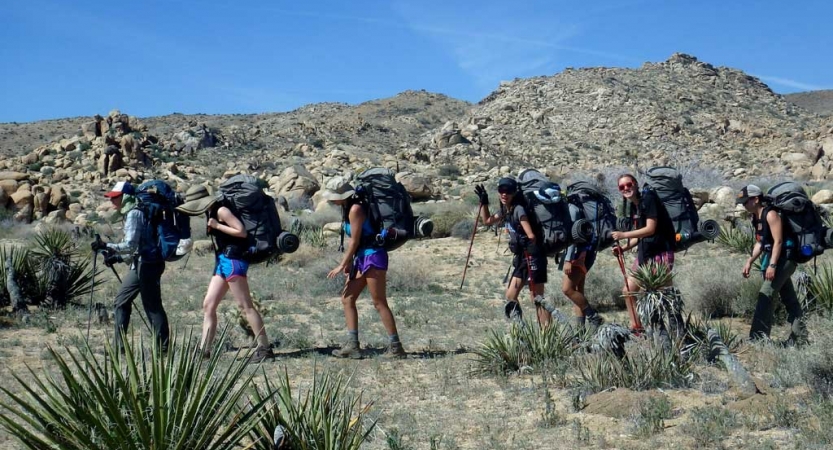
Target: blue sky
[{"x": 147, "y": 58}]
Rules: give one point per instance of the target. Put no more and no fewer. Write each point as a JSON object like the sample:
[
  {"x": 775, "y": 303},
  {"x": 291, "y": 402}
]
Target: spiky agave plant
[
  {"x": 737, "y": 240},
  {"x": 526, "y": 347},
  {"x": 325, "y": 417},
  {"x": 659, "y": 304},
  {"x": 62, "y": 274},
  {"x": 142, "y": 399},
  {"x": 820, "y": 289}
]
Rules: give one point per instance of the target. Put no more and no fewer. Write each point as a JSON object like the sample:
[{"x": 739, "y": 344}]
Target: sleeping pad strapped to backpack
[
  {"x": 594, "y": 206},
  {"x": 550, "y": 214},
  {"x": 245, "y": 198},
  {"x": 667, "y": 183},
  {"x": 390, "y": 210},
  {"x": 158, "y": 202},
  {"x": 806, "y": 235}
]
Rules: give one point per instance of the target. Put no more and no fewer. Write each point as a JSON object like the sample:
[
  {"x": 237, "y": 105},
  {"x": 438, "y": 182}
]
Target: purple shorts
[
  {"x": 377, "y": 260},
  {"x": 666, "y": 257}
]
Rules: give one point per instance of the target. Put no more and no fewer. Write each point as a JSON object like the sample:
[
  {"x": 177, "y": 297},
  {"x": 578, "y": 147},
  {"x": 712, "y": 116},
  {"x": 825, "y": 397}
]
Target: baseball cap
[
  {"x": 748, "y": 191},
  {"x": 507, "y": 184},
  {"x": 122, "y": 187}
]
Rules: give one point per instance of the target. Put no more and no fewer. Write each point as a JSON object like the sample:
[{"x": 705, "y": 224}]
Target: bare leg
[
  {"x": 349, "y": 295},
  {"x": 377, "y": 285},
  {"x": 239, "y": 287},
  {"x": 573, "y": 288},
  {"x": 217, "y": 288}
]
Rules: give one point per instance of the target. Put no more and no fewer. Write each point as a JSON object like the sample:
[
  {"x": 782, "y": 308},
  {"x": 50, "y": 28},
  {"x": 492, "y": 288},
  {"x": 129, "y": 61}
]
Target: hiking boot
[
  {"x": 594, "y": 321},
  {"x": 350, "y": 349},
  {"x": 262, "y": 353},
  {"x": 513, "y": 312},
  {"x": 394, "y": 351}
]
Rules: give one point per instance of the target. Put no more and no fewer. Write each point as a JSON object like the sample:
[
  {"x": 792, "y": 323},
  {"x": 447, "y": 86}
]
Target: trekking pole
[
  {"x": 471, "y": 243},
  {"x": 92, "y": 290},
  {"x": 620, "y": 256}
]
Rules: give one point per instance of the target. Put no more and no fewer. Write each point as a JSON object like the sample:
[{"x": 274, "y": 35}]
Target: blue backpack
[{"x": 158, "y": 201}]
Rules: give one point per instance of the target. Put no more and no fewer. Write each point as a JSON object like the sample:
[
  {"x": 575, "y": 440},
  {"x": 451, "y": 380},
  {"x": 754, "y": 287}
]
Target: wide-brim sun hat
[
  {"x": 341, "y": 192},
  {"x": 198, "y": 199}
]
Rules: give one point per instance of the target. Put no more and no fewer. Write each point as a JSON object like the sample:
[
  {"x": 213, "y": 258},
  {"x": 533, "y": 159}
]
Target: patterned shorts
[{"x": 666, "y": 257}]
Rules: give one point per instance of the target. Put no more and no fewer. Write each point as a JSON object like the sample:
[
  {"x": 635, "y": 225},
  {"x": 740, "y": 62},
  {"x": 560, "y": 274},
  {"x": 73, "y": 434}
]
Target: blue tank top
[{"x": 369, "y": 234}]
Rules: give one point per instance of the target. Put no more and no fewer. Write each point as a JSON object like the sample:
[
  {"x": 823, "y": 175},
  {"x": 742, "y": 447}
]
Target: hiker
[
  {"x": 365, "y": 264},
  {"x": 653, "y": 236},
  {"x": 529, "y": 262},
  {"x": 230, "y": 269},
  {"x": 139, "y": 248},
  {"x": 578, "y": 260},
  {"x": 776, "y": 268}
]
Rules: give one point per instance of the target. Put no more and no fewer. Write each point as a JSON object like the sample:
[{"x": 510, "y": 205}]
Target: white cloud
[
  {"x": 498, "y": 42},
  {"x": 787, "y": 82}
]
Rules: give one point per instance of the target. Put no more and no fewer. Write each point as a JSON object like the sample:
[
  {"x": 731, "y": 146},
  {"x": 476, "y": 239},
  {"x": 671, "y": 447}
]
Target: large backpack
[
  {"x": 549, "y": 213},
  {"x": 245, "y": 198},
  {"x": 807, "y": 236},
  {"x": 171, "y": 228},
  {"x": 389, "y": 208},
  {"x": 667, "y": 183},
  {"x": 594, "y": 206}
]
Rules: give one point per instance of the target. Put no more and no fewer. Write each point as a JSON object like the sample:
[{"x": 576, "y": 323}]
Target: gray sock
[
  {"x": 394, "y": 338},
  {"x": 353, "y": 336}
]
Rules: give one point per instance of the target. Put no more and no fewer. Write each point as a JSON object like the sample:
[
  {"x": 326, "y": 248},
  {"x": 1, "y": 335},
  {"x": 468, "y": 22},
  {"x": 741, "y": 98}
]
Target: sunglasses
[
  {"x": 625, "y": 186},
  {"x": 506, "y": 191}
]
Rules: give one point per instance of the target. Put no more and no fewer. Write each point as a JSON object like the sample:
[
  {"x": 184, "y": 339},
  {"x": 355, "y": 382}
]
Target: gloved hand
[
  {"x": 112, "y": 258},
  {"x": 481, "y": 194},
  {"x": 98, "y": 245}
]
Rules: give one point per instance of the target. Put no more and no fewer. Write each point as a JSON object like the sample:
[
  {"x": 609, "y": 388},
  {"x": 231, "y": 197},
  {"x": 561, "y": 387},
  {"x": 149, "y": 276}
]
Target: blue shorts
[{"x": 230, "y": 268}]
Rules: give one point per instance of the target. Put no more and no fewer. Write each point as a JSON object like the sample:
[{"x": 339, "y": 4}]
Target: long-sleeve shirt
[{"x": 137, "y": 238}]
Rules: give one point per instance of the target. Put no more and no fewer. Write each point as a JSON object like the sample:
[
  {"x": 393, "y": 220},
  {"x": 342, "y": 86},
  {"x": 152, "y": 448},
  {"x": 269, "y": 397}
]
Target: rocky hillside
[
  {"x": 679, "y": 111},
  {"x": 819, "y": 102}
]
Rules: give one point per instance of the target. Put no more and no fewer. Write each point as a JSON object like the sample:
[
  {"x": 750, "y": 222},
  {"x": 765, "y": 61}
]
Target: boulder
[
  {"x": 795, "y": 157},
  {"x": 16, "y": 176},
  {"x": 332, "y": 229},
  {"x": 700, "y": 197},
  {"x": 724, "y": 196},
  {"x": 8, "y": 186},
  {"x": 58, "y": 197},
  {"x": 41, "y": 205},
  {"x": 419, "y": 186},
  {"x": 90, "y": 129},
  {"x": 56, "y": 217},
  {"x": 823, "y": 197},
  {"x": 23, "y": 204},
  {"x": 296, "y": 182}
]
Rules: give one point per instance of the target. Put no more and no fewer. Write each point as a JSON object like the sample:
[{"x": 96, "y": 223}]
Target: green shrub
[
  {"x": 644, "y": 367},
  {"x": 821, "y": 289},
  {"x": 172, "y": 401},
  {"x": 325, "y": 417},
  {"x": 651, "y": 417},
  {"x": 709, "y": 425},
  {"x": 737, "y": 240},
  {"x": 525, "y": 347},
  {"x": 445, "y": 219}
]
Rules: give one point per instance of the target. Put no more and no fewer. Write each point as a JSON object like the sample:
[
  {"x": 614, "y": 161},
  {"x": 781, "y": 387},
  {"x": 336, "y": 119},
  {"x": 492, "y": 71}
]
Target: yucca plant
[
  {"x": 309, "y": 234},
  {"x": 325, "y": 417},
  {"x": 62, "y": 272},
  {"x": 525, "y": 347},
  {"x": 737, "y": 240},
  {"x": 644, "y": 367},
  {"x": 658, "y": 304},
  {"x": 140, "y": 400},
  {"x": 820, "y": 289}
]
